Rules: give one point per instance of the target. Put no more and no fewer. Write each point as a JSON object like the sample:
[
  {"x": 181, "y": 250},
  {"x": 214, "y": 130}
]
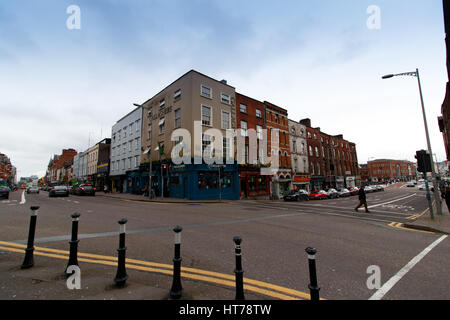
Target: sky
[{"x": 64, "y": 87}]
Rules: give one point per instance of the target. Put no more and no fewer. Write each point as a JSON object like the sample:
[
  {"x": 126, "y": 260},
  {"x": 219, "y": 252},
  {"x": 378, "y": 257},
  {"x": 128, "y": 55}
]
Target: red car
[
  {"x": 353, "y": 190},
  {"x": 321, "y": 194}
]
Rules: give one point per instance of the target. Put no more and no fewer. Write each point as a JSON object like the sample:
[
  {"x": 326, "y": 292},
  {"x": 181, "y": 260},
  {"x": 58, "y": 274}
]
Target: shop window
[{"x": 207, "y": 180}]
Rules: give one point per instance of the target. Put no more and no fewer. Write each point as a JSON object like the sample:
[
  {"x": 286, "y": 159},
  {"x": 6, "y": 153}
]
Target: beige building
[
  {"x": 92, "y": 160},
  {"x": 192, "y": 97}
]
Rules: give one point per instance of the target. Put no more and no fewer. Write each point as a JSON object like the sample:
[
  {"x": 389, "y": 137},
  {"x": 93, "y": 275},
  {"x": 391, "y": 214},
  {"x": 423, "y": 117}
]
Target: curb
[{"x": 424, "y": 228}]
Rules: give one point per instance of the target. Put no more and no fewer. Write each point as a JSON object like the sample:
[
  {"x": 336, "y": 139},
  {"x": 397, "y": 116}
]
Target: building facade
[
  {"x": 387, "y": 170},
  {"x": 301, "y": 178},
  {"x": 250, "y": 115},
  {"x": 277, "y": 118},
  {"x": 203, "y": 107},
  {"x": 333, "y": 161},
  {"x": 126, "y": 152},
  {"x": 444, "y": 119}
]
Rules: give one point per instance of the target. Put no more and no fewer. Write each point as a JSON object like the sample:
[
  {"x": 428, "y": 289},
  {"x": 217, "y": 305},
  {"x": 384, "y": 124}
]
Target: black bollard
[
  {"x": 73, "y": 256},
  {"x": 238, "y": 271},
  {"x": 177, "y": 289},
  {"x": 313, "y": 286},
  {"x": 28, "y": 262},
  {"x": 121, "y": 275}
]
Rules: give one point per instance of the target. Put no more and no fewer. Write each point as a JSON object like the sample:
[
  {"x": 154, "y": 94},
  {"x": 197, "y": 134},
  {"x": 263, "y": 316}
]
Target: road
[{"x": 274, "y": 233}]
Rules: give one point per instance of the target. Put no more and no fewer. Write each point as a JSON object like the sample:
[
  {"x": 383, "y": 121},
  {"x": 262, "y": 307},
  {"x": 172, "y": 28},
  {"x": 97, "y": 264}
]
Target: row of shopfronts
[{"x": 201, "y": 182}]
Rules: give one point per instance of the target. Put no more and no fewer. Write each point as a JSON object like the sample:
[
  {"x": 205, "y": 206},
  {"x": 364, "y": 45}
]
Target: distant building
[
  {"x": 299, "y": 155},
  {"x": 384, "y": 170},
  {"x": 126, "y": 152}
]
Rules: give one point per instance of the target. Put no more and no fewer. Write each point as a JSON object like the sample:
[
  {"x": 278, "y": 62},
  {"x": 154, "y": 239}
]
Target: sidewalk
[
  {"x": 135, "y": 197},
  {"x": 440, "y": 223}
]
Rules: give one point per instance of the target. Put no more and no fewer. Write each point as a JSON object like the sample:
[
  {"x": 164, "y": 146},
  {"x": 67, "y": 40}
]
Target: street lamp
[
  {"x": 150, "y": 193},
  {"x": 436, "y": 191}
]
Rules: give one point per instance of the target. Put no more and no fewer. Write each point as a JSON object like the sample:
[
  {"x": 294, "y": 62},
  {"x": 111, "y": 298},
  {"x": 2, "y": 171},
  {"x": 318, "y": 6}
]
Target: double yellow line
[
  {"x": 267, "y": 289},
  {"x": 399, "y": 225}
]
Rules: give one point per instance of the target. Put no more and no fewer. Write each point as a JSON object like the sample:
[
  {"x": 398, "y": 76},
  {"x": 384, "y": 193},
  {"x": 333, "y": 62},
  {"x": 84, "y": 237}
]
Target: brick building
[
  {"x": 444, "y": 120},
  {"x": 333, "y": 162},
  {"x": 250, "y": 115},
  {"x": 59, "y": 167},
  {"x": 7, "y": 171},
  {"x": 277, "y": 118},
  {"x": 385, "y": 170}
]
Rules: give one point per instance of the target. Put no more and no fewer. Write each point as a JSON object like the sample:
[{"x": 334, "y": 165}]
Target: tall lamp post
[
  {"x": 150, "y": 193},
  {"x": 436, "y": 187}
]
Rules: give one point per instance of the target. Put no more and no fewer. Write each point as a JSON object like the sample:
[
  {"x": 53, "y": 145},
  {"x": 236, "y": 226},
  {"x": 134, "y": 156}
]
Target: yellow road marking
[
  {"x": 191, "y": 273},
  {"x": 399, "y": 225}
]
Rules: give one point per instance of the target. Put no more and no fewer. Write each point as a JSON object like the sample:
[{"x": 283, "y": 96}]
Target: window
[
  {"x": 138, "y": 124},
  {"x": 119, "y": 134},
  {"x": 317, "y": 151},
  {"x": 315, "y": 136},
  {"x": 259, "y": 132},
  {"x": 206, "y": 115},
  {"x": 150, "y": 112},
  {"x": 161, "y": 125},
  {"x": 208, "y": 180},
  {"x": 129, "y": 145},
  {"x": 125, "y": 132},
  {"x": 244, "y": 128},
  {"x": 131, "y": 128},
  {"x": 243, "y": 108},
  {"x": 226, "y": 147},
  {"x": 124, "y": 148},
  {"x": 129, "y": 163},
  {"x": 309, "y": 135},
  {"x": 206, "y": 92},
  {"x": 206, "y": 141},
  {"x": 149, "y": 130},
  {"x": 177, "y": 94},
  {"x": 136, "y": 161},
  {"x": 177, "y": 118},
  {"x": 258, "y": 113},
  {"x": 137, "y": 143},
  {"x": 310, "y": 151},
  {"x": 225, "y": 120},
  {"x": 162, "y": 103},
  {"x": 225, "y": 98}
]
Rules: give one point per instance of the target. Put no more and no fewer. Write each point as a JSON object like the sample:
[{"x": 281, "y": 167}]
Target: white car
[{"x": 423, "y": 187}]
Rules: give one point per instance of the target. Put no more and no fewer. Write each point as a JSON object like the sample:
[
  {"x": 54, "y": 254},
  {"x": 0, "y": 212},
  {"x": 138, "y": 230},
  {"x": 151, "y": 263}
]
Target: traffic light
[{"x": 423, "y": 161}]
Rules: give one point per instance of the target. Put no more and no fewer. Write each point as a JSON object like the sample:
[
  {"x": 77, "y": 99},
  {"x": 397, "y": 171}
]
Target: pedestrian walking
[{"x": 362, "y": 199}]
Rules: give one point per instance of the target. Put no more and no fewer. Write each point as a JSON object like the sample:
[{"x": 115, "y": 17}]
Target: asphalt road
[{"x": 275, "y": 235}]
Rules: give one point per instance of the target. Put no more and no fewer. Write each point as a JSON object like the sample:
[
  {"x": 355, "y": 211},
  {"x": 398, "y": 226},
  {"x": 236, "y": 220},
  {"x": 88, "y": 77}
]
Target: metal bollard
[
  {"x": 177, "y": 289},
  {"x": 238, "y": 271},
  {"x": 121, "y": 275},
  {"x": 73, "y": 256},
  {"x": 28, "y": 262},
  {"x": 313, "y": 286}
]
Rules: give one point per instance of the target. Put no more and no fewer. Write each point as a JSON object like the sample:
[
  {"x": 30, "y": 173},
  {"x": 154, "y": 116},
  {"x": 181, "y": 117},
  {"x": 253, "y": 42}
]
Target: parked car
[
  {"x": 353, "y": 190},
  {"x": 368, "y": 189},
  {"x": 410, "y": 184},
  {"x": 4, "y": 192},
  {"x": 56, "y": 191},
  {"x": 344, "y": 192},
  {"x": 332, "y": 193},
  {"x": 32, "y": 190},
  {"x": 83, "y": 189},
  {"x": 380, "y": 187},
  {"x": 423, "y": 187},
  {"x": 318, "y": 194},
  {"x": 296, "y": 195}
]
